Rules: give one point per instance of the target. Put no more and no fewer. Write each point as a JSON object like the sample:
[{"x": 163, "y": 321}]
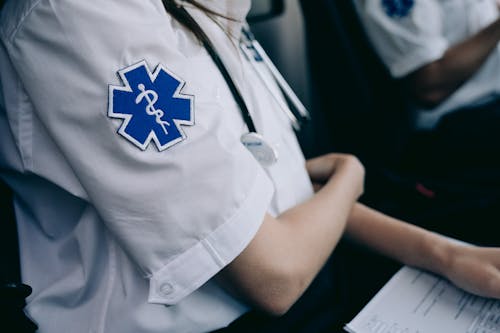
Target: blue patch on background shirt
[
  {"x": 151, "y": 106},
  {"x": 397, "y": 8}
]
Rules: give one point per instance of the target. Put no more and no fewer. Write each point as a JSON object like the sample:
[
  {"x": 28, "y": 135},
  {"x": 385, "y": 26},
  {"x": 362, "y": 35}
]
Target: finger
[
  {"x": 317, "y": 187},
  {"x": 493, "y": 284},
  {"x": 321, "y": 168}
]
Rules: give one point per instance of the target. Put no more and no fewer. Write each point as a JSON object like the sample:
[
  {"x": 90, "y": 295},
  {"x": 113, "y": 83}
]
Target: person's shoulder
[
  {"x": 36, "y": 15},
  {"x": 12, "y": 15},
  {"x": 50, "y": 17},
  {"x": 16, "y": 14}
]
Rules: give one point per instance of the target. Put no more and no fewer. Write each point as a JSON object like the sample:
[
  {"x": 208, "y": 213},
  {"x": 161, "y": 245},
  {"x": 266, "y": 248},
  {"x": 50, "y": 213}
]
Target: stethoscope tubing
[{"x": 185, "y": 18}]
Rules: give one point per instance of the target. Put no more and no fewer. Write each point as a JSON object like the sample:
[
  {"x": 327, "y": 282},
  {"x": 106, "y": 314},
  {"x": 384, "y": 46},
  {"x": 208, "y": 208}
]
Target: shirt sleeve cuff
[
  {"x": 191, "y": 269},
  {"x": 420, "y": 57}
]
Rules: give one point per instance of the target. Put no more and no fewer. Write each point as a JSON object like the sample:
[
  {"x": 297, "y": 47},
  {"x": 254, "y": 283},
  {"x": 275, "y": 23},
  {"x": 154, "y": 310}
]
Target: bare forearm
[
  {"x": 434, "y": 82},
  {"x": 472, "y": 268},
  {"x": 314, "y": 228},
  {"x": 288, "y": 251},
  {"x": 401, "y": 241}
]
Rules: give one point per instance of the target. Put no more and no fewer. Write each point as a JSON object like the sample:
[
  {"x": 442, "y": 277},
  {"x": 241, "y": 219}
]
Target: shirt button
[{"x": 166, "y": 289}]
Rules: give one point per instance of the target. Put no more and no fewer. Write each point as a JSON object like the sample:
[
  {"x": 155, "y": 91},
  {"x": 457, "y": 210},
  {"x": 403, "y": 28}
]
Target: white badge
[{"x": 260, "y": 149}]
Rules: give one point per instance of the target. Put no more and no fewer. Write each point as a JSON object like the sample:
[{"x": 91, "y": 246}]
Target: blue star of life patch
[
  {"x": 151, "y": 106},
  {"x": 397, "y": 8}
]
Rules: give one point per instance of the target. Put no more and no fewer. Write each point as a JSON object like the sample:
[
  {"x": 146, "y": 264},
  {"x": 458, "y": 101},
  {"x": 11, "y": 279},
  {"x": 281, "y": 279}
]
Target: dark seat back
[
  {"x": 12, "y": 291},
  {"x": 8, "y": 237},
  {"x": 362, "y": 108},
  {"x": 365, "y": 112}
]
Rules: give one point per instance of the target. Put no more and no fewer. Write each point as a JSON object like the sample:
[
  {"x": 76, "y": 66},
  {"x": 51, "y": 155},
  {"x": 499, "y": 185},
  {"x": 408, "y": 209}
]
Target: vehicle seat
[
  {"x": 365, "y": 113},
  {"x": 12, "y": 291}
]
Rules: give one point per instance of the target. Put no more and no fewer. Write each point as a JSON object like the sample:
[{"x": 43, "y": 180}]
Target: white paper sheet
[{"x": 414, "y": 301}]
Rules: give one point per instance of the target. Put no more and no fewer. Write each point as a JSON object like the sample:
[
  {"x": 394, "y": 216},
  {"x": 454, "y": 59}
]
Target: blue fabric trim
[{"x": 397, "y": 8}]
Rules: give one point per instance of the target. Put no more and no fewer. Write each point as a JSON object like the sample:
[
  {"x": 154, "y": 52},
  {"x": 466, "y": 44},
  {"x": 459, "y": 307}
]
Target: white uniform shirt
[
  {"x": 122, "y": 230},
  {"x": 408, "y": 36}
]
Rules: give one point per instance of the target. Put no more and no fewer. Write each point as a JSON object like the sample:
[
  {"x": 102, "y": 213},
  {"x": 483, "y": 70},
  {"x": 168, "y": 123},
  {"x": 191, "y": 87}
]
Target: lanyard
[
  {"x": 253, "y": 141},
  {"x": 255, "y": 54}
]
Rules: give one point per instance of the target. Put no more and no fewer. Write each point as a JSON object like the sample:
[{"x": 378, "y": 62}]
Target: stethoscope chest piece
[{"x": 263, "y": 152}]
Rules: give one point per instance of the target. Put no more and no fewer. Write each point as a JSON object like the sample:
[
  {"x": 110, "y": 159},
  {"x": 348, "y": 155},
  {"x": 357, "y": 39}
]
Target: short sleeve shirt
[
  {"x": 122, "y": 141},
  {"x": 409, "y": 34}
]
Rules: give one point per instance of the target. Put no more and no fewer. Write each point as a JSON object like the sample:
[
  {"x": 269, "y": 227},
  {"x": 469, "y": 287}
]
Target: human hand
[
  {"x": 324, "y": 168},
  {"x": 475, "y": 269}
]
